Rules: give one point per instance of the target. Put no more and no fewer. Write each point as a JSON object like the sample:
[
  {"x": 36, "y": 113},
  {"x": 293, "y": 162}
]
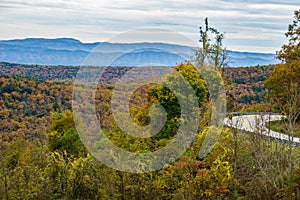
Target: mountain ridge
[{"x": 73, "y": 52}]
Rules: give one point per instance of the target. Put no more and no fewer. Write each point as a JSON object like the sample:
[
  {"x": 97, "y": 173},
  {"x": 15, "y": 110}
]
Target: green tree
[
  {"x": 284, "y": 84},
  {"x": 212, "y": 52},
  {"x": 167, "y": 98},
  {"x": 56, "y": 106},
  {"x": 291, "y": 51},
  {"x": 284, "y": 81},
  {"x": 164, "y": 96},
  {"x": 63, "y": 136}
]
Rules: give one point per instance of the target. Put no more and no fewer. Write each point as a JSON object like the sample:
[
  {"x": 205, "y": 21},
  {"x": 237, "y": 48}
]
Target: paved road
[{"x": 255, "y": 123}]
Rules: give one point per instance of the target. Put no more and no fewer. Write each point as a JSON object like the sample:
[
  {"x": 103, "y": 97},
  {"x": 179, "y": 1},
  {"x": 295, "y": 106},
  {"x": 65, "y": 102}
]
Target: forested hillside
[
  {"x": 42, "y": 156},
  {"x": 246, "y": 83},
  {"x": 26, "y": 105}
]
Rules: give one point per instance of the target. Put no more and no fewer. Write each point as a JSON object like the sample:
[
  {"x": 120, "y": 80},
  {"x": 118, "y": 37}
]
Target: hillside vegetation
[
  {"x": 246, "y": 86},
  {"x": 42, "y": 155}
]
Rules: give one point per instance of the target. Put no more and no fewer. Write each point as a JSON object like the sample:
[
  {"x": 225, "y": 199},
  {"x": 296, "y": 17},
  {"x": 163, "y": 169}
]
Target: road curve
[{"x": 255, "y": 123}]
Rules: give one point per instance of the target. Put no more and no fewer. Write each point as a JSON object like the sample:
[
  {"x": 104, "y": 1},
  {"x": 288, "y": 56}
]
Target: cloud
[{"x": 245, "y": 22}]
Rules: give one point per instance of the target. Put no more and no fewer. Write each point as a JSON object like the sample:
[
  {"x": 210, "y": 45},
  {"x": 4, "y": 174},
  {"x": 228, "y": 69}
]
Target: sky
[{"x": 249, "y": 25}]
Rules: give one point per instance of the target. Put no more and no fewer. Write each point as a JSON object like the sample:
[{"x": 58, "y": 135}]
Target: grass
[{"x": 279, "y": 126}]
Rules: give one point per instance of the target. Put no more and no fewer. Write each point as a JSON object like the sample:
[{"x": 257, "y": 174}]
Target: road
[{"x": 255, "y": 123}]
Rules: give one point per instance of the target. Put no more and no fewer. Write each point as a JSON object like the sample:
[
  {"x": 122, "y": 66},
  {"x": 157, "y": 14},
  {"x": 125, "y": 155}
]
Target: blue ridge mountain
[{"x": 72, "y": 52}]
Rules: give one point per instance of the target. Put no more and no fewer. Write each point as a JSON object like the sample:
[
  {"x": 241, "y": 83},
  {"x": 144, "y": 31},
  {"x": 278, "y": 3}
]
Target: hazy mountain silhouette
[{"x": 68, "y": 51}]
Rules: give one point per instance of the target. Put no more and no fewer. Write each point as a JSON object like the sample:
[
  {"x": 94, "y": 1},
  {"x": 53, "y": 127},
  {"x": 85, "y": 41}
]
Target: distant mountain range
[{"x": 71, "y": 52}]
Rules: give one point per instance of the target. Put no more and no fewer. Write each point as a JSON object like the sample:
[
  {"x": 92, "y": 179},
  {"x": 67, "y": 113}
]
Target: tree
[
  {"x": 167, "y": 98},
  {"x": 63, "y": 136},
  {"x": 214, "y": 53},
  {"x": 284, "y": 83},
  {"x": 291, "y": 51},
  {"x": 159, "y": 94}
]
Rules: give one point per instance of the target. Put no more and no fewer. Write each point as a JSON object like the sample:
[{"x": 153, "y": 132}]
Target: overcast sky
[{"x": 250, "y": 25}]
